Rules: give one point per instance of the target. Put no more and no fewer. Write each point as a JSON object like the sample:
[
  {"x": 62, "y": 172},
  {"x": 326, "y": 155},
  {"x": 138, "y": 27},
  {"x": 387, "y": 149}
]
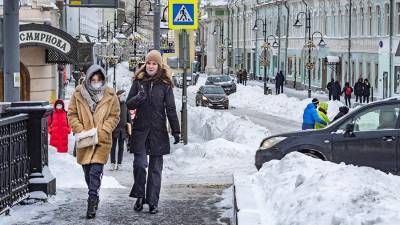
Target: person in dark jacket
[
  {"x": 244, "y": 77},
  {"x": 358, "y": 90},
  {"x": 120, "y": 133},
  {"x": 279, "y": 78},
  {"x": 347, "y": 90},
  {"x": 343, "y": 110},
  {"x": 336, "y": 91},
  {"x": 366, "y": 91},
  {"x": 239, "y": 76},
  {"x": 152, "y": 95},
  {"x": 282, "y": 79},
  {"x": 329, "y": 87},
  {"x": 310, "y": 116}
]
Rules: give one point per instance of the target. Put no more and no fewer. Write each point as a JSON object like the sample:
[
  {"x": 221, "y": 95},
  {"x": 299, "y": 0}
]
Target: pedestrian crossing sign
[{"x": 182, "y": 14}]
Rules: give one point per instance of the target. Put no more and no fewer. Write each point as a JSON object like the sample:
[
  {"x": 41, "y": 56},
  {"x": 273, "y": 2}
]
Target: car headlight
[
  {"x": 271, "y": 142},
  {"x": 205, "y": 98}
]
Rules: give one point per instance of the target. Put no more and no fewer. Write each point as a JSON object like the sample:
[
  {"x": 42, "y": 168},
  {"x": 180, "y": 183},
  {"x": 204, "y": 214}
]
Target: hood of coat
[
  {"x": 59, "y": 101},
  {"x": 324, "y": 106},
  {"x": 91, "y": 71}
]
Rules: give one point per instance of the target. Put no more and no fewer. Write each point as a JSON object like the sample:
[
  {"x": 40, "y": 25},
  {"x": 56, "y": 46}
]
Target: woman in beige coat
[{"x": 94, "y": 105}]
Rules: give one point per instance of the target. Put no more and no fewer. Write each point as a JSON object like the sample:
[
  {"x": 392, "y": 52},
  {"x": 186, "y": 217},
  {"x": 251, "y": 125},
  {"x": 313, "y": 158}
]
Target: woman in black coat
[
  {"x": 366, "y": 90},
  {"x": 152, "y": 95}
]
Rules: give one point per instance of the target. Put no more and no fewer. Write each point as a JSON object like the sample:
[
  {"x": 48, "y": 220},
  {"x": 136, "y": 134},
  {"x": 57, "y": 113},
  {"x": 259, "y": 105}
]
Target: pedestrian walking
[
  {"x": 120, "y": 133},
  {"x": 330, "y": 87},
  {"x": 93, "y": 114},
  {"x": 347, "y": 90},
  {"x": 310, "y": 115},
  {"x": 359, "y": 90},
  {"x": 277, "y": 84},
  {"x": 58, "y": 127},
  {"x": 239, "y": 76},
  {"x": 366, "y": 91},
  {"x": 282, "y": 79},
  {"x": 152, "y": 96},
  {"x": 323, "y": 115},
  {"x": 336, "y": 91},
  {"x": 244, "y": 77},
  {"x": 343, "y": 110}
]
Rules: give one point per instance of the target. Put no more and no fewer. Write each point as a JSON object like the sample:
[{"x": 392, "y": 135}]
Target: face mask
[
  {"x": 122, "y": 98},
  {"x": 96, "y": 85},
  {"x": 58, "y": 106}
]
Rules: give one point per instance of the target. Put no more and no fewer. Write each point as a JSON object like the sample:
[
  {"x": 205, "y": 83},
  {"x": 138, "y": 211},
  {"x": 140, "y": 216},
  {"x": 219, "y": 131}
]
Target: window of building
[
  {"x": 290, "y": 65},
  {"x": 387, "y": 16},
  {"x": 398, "y": 17},
  {"x": 378, "y": 20},
  {"x": 354, "y": 21},
  {"x": 353, "y": 69},
  {"x": 376, "y": 75},
  {"x": 362, "y": 22},
  {"x": 346, "y": 21},
  {"x": 369, "y": 25},
  {"x": 368, "y": 71},
  {"x": 360, "y": 70}
]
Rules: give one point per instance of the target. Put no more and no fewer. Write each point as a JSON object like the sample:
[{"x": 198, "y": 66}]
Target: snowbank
[
  {"x": 228, "y": 144},
  {"x": 291, "y": 108},
  {"x": 69, "y": 173},
  {"x": 302, "y": 190}
]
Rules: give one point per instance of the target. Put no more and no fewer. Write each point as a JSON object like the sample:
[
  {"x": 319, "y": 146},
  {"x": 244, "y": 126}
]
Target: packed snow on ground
[
  {"x": 291, "y": 108},
  {"x": 302, "y": 190},
  {"x": 69, "y": 173}
]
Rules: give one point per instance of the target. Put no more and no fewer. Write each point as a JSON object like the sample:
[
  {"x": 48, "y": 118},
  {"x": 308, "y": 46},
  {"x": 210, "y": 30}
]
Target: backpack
[{"x": 348, "y": 91}]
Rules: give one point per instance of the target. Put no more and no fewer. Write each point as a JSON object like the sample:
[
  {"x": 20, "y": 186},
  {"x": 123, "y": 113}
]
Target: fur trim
[{"x": 87, "y": 133}]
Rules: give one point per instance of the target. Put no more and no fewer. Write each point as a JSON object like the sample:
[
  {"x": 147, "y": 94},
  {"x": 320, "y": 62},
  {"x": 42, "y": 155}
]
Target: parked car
[
  {"x": 212, "y": 96},
  {"x": 367, "y": 136},
  {"x": 224, "y": 81}
]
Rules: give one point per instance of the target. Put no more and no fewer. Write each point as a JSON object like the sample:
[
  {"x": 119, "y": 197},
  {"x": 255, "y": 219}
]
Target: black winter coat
[
  {"x": 367, "y": 89},
  {"x": 336, "y": 89},
  {"x": 124, "y": 118},
  {"x": 149, "y": 125},
  {"x": 358, "y": 89}
]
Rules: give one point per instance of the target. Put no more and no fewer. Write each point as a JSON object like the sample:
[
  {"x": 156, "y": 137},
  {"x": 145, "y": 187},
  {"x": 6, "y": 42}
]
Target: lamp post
[
  {"x": 264, "y": 61},
  {"x": 136, "y": 21},
  {"x": 221, "y": 36},
  {"x": 309, "y": 45},
  {"x": 230, "y": 46}
]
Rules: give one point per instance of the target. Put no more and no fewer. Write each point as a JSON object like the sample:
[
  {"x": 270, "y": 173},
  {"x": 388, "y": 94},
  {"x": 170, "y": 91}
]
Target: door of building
[
  {"x": 385, "y": 83},
  {"x": 25, "y": 88}
]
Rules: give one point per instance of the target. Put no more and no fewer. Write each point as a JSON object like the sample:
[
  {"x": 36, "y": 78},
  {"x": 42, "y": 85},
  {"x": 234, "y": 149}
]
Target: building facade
[{"x": 370, "y": 50}]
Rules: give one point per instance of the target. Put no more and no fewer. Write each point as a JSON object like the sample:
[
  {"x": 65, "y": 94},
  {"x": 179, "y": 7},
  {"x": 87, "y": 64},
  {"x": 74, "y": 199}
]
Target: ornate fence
[{"x": 14, "y": 160}]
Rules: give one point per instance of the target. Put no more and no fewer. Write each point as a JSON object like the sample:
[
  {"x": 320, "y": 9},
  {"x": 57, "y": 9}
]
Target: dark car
[
  {"x": 224, "y": 81},
  {"x": 212, "y": 96},
  {"x": 368, "y": 136}
]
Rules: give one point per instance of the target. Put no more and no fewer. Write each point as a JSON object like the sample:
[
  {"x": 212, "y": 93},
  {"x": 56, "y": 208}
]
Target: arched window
[
  {"x": 354, "y": 21},
  {"x": 369, "y": 22},
  {"x": 378, "y": 20},
  {"x": 387, "y": 16},
  {"x": 362, "y": 22}
]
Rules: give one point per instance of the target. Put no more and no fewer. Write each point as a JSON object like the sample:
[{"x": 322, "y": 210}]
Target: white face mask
[
  {"x": 58, "y": 106},
  {"x": 96, "y": 85}
]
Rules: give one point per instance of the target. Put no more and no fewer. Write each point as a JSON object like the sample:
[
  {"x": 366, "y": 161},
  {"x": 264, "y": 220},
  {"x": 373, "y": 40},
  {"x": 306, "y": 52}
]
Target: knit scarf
[{"x": 91, "y": 95}]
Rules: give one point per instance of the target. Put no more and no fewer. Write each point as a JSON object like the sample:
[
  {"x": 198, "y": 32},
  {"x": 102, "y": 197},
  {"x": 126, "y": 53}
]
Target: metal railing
[{"x": 14, "y": 161}]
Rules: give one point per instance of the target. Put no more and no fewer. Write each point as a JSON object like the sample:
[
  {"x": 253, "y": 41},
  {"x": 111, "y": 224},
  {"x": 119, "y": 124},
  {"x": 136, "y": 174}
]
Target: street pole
[
  {"x": 222, "y": 46},
  {"x": 184, "y": 53},
  {"x": 265, "y": 54},
  {"x": 115, "y": 62},
  {"x": 279, "y": 35},
  {"x": 11, "y": 51},
  {"x": 135, "y": 29},
  {"x": 308, "y": 21},
  {"x": 156, "y": 24},
  {"x": 349, "y": 45}
]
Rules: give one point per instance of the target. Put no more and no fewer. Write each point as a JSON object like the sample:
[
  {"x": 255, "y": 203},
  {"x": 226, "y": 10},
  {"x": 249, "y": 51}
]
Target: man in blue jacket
[{"x": 310, "y": 116}]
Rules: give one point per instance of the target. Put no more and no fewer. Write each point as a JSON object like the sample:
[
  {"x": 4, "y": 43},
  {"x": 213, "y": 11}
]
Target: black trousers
[
  {"x": 359, "y": 97},
  {"x": 281, "y": 88},
  {"x": 93, "y": 175},
  {"x": 277, "y": 90},
  {"x": 366, "y": 98},
  {"x": 330, "y": 96},
  {"x": 336, "y": 97},
  {"x": 153, "y": 178},
  {"x": 120, "y": 142},
  {"x": 244, "y": 82},
  {"x": 347, "y": 100}
]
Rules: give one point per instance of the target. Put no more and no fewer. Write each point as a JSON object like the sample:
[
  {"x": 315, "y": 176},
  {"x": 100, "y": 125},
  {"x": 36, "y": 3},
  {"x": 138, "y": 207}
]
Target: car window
[
  {"x": 376, "y": 118},
  {"x": 220, "y": 79},
  {"x": 214, "y": 90}
]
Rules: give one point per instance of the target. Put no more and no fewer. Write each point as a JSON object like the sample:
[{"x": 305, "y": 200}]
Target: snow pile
[
  {"x": 228, "y": 144},
  {"x": 302, "y": 190},
  {"x": 69, "y": 173},
  {"x": 253, "y": 97}
]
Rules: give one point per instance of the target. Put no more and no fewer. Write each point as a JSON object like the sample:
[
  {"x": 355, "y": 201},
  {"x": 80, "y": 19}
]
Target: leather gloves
[{"x": 177, "y": 139}]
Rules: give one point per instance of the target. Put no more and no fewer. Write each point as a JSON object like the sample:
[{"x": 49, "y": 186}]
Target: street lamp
[
  {"x": 221, "y": 36},
  {"x": 264, "y": 60},
  {"x": 230, "y": 47},
  {"x": 309, "y": 45}
]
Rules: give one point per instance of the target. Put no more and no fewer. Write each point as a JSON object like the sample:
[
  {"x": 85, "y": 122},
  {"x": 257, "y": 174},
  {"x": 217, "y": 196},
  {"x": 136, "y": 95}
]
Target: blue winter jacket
[{"x": 310, "y": 115}]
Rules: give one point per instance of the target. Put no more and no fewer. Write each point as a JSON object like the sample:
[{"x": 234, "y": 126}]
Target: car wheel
[
  {"x": 226, "y": 106},
  {"x": 197, "y": 103},
  {"x": 312, "y": 154}
]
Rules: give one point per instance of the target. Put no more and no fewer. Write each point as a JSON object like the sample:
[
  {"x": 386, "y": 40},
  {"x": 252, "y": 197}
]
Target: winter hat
[
  {"x": 315, "y": 101},
  {"x": 120, "y": 92},
  {"x": 155, "y": 56},
  {"x": 324, "y": 106}
]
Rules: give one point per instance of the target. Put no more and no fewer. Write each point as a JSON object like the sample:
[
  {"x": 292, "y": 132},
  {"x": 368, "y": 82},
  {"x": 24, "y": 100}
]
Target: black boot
[
  {"x": 92, "y": 207},
  {"x": 138, "y": 204},
  {"x": 153, "y": 209}
]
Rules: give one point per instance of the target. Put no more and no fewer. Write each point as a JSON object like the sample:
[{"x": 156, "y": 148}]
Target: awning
[{"x": 332, "y": 59}]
